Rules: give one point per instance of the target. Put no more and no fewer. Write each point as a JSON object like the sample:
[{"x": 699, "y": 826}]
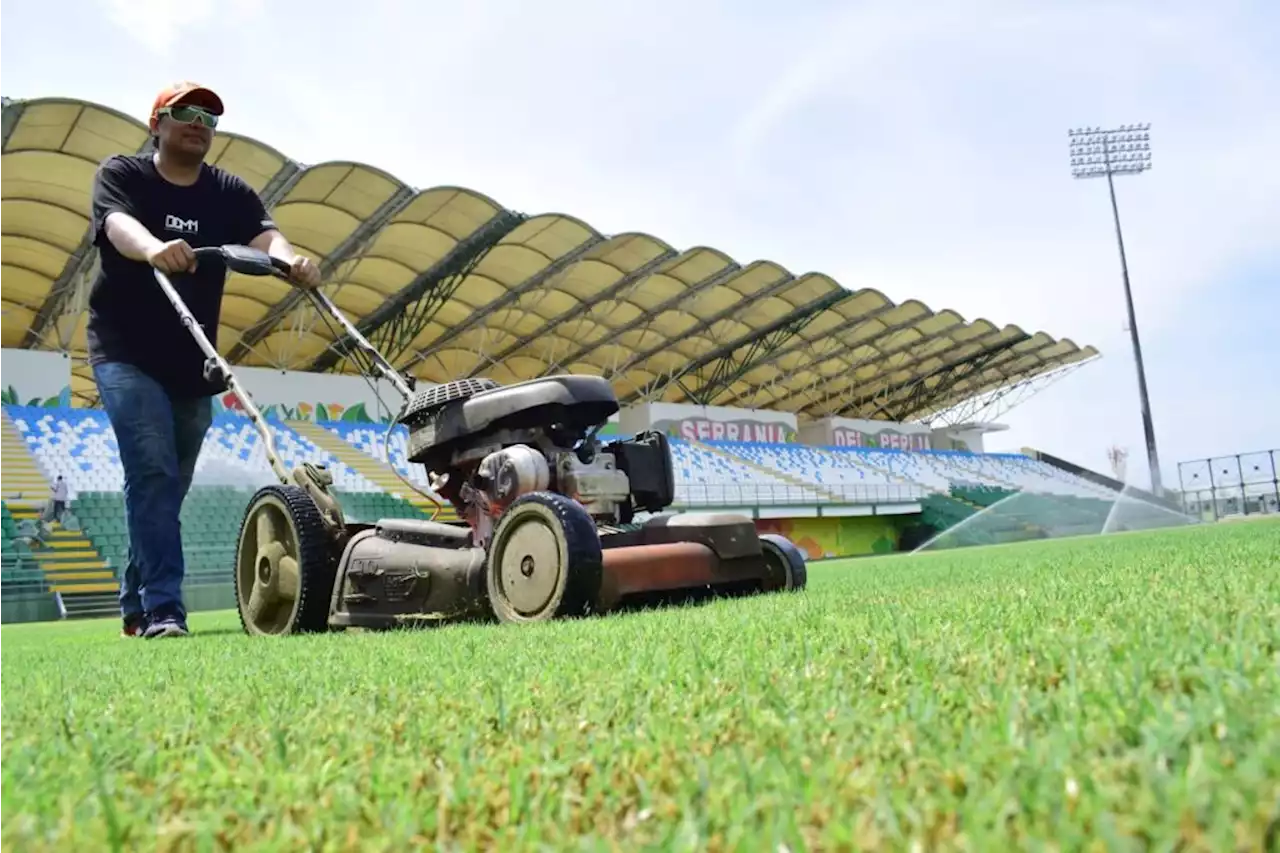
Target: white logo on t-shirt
[{"x": 182, "y": 226}]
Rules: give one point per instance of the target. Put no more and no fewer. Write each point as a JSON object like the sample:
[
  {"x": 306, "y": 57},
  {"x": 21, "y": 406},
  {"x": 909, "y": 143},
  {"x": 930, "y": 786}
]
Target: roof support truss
[
  {"x": 393, "y": 326},
  {"x": 348, "y": 248},
  {"x": 13, "y": 111},
  {"x": 644, "y": 318},
  {"x": 901, "y": 399},
  {"x": 701, "y": 326},
  {"x": 730, "y": 361},
  {"x": 729, "y": 364},
  {"x": 881, "y": 357},
  {"x": 940, "y": 400},
  {"x": 829, "y": 337},
  {"x": 536, "y": 280},
  {"x": 995, "y": 404},
  {"x": 627, "y": 281}
]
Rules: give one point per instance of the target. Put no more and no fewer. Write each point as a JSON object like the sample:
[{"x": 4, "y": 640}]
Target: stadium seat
[
  {"x": 707, "y": 478},
  {"x": 859, "y": 474},
  {"x": 853, "y": 477},
  {"x": 80, "y": 445}
]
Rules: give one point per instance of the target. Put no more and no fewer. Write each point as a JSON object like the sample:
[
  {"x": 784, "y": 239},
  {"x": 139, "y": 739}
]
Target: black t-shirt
[{"x": 130, "y": 319}]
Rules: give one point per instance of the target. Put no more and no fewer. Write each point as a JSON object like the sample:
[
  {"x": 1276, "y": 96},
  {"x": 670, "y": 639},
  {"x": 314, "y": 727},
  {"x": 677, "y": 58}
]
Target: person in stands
[
  {"x": 59, "y": 490},
  {"x": 148, "y": 212}
]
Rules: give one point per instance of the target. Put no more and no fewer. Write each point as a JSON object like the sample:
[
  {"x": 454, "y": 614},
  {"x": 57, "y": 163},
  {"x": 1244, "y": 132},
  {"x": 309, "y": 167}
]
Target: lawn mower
[{"x": 554, "y": 522}]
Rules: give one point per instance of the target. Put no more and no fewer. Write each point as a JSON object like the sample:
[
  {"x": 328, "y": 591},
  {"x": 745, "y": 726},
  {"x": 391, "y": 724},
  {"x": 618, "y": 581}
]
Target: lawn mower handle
[
  {"x": 217, "y": 371},
  {"x": 250, "y": 261}
]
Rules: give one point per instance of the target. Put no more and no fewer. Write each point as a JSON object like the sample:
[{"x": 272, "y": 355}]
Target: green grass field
[{"x": 1118, "y": 693}]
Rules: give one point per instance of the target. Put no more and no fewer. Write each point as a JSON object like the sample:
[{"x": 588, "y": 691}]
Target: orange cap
[{"x": 186, "y": 92}]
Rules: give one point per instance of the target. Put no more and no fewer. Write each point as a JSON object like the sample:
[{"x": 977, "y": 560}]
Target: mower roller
[{"x": 555, "y": 523}]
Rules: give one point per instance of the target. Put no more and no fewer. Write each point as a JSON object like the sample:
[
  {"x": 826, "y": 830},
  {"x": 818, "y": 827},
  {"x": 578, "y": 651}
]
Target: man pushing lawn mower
[{"x": 151, "y": 211}]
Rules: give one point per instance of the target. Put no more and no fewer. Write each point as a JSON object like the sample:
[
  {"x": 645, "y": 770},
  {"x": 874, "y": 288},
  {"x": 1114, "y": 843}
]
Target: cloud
[
  {"x": 161, "y": 25},
  {"x": 921, "y": 151}
]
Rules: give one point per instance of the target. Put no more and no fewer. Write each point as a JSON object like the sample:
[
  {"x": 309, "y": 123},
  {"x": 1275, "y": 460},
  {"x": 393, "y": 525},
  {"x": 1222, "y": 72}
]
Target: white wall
[
  {"x": 971, "y": 440},
  {"x": 35, "y": 377},
  {"x": 295, "y": 395}
]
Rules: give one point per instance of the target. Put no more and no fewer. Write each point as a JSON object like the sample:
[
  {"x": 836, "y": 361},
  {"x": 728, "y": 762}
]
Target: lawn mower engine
[{"x": 550, "y": 517}]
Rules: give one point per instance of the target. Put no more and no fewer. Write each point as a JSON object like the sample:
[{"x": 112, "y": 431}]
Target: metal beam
[
  {"x": 881, "y": 357},
  {"x": 961, "y": 389},
  {"x": 759, "y": 344},
  {"x": 912, "y": 385},
  {"x": 920, "y": 395},
  {"x": 628, "y": 280},
  {"x": 993, "y": 401},
  {"x": 352, "y": 245},
  {"x": 800, "y": 343},
  {"x": 280, "y": 184},
  {"x": 647, "y": 316},
  {"x": 484, "y": 312},
  {"x": 857, "y": 393},
  {"x": 777, "y": 284},
  {"x": 13, "y": 111},
  {"x": 854, "y": 392},
  {"x": 430, "y": 285}
]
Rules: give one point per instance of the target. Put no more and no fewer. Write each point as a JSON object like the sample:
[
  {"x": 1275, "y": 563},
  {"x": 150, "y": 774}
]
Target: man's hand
[
  {"x": 304, "y": 273},
  {"x": 174, "y": 256}
]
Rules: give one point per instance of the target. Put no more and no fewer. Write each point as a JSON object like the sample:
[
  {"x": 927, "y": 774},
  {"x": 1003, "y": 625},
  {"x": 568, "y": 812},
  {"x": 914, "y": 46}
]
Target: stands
[{"x": 940, "y": 488}]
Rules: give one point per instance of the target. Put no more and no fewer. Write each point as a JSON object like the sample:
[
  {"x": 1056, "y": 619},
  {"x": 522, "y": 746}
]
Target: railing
[
  {"x": 1235, "y": 484},
  {"x": 770, "y": 494}
]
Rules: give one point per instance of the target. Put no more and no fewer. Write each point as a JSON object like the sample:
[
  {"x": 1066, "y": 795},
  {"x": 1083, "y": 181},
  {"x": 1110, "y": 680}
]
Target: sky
[{"x": 919, "y": 149}]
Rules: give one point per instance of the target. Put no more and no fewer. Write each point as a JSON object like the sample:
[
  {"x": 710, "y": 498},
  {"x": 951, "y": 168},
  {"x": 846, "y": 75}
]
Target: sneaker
[
  {"x": 133, "y": 626},
  {"x": 167, "y": 626}
]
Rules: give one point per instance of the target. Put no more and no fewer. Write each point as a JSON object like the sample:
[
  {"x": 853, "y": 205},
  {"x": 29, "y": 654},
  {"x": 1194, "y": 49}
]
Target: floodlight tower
[{"x": 1125, "y": 150}]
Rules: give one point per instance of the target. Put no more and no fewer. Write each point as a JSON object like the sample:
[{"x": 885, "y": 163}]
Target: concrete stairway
[
  {"x": 71, "y": 565},
  {"x": 25, "y": 485},
  {"x": 370, "y": 467}
]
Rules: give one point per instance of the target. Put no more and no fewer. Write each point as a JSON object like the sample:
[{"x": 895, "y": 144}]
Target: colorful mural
[
  {"x": 744, "y": 429},
  {"x": 848, "y": 536},
  {"x": 889, "y": 439},
  {"x": 303, "y": 411},
  {"x": 11, "y": 397}
]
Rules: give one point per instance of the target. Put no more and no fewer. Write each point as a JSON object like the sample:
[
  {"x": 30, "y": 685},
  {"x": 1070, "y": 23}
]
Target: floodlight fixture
[
  {"x": 1104, "y": 153},
  {"x": 1097, "y": 153}
]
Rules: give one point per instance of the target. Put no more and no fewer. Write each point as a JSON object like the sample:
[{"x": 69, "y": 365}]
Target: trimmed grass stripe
[{"x": 1120, "y": 691}]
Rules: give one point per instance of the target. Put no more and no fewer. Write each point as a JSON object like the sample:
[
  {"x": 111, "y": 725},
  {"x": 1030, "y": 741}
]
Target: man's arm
[
  {"x": 114, "y": 212},
  {"x": 301, "y": 270},
  {"x": 274, "y": 244},
  {"x": 132, "y": 239},
  {"x": 262, "y": 234}
]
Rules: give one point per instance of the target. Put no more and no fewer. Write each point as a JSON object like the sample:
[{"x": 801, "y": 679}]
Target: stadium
[
  {"x": 846, "y": 421},
  {"x": 726, "y": 356}
]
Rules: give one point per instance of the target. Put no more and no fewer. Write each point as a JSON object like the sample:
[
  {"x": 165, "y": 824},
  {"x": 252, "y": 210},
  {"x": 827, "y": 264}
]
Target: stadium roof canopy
[{"x": 449, "y": 283}]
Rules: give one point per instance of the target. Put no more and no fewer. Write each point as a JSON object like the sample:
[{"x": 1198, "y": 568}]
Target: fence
[{"x": 1236, "y": 484}]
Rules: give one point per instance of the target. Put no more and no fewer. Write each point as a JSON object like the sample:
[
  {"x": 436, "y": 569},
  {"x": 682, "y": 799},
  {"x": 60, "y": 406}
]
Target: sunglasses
[{"x": 190, "y": 115}]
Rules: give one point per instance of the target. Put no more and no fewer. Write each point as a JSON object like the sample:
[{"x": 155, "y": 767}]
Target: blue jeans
[{"x": 160, "y": 439}]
